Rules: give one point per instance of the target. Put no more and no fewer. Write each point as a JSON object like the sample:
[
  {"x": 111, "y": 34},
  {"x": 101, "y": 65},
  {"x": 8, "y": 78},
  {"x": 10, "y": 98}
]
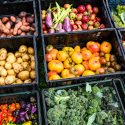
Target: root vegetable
[
  {"x": 11, "y": 58},
  {"x": 13, "y": 19},
  {"x": 10, "y": 79},
  {"x": 3, "y": 56},
  {"x": 17, "y": 67},
  {"x": 3, "y": 50},
  {"x": 23, "y": 49},
  {"x": 25, "y": 28},
  {"x": 32, "y": 74},
  {"x": 11, "y": 72},
  {"x": 33, "y": 65},
  {"x": 2, "y": 81},
  {"x": 24, "y": 75},
  {"x": 22, "y": 14},
  {"x": 19, "y": 81},
  {"x": 28, "y": 81},
  {"x": 5, "y": 19},
  {"x": 19, "y": 31},
  {"x": 23, "y": 34},
  {"x": 2, "y": 63},
  {"x": 32, "y": 57},
  {"x": 17, "y": 54},
  {"x": 30, "y": 50},
  {"x": 17, "y": 26},
  {"x": 25, "y": 65},
  {"x": 8, "y": 65},
  {"x": 3, "y": 28},
  {"x": 8, "y": 25},
  {"x": 25, "y": 57},
  {"x": 30, "y": 19},
  {"x": 19, "y": 60},
  {"x": 3, "y": 72}
]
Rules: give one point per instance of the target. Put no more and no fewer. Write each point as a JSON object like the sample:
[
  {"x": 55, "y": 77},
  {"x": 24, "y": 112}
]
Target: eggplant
[
  {"x": 51, "y": 31},
  {"x": 59, "y": 26},
  {"x": 49, "y": 21},
  {"x": 23, "y": 104},
  {"x": 67, "y": 25},
  {"x": 61, "y": 31},
  {"x": 22, "y": 114},
  {"x": 33, "y": 109},
  {"x": 16, "y": 113}
]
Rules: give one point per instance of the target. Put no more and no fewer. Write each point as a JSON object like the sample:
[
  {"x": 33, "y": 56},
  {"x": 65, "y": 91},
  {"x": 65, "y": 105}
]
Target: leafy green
[{"x": 90, "y": 105}]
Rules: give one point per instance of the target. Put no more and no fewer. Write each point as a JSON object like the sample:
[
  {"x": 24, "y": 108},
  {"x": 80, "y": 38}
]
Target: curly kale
[{"x": 88, "y": 105}]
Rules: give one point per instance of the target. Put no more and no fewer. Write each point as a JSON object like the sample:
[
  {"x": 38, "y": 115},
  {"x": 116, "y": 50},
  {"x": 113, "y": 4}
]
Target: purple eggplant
[
  {"x": 67, "y": 25},
  {"x": 33, "y": 109},
  {"x": 49, "y": 21},
  {"x": 59, "y": 26},
  {"x": 61, "y": 31},
  {"x": 23, "y": 104},
  {"x": 51, "y": 31}
]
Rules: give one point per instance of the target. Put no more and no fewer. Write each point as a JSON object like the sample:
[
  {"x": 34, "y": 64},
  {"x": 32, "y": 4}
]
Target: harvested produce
[
  {"x": 92, "y": 59},
  {"x": 119, "y": 16},
  {"x": 123, "y": 43},
  {"x": 59, "y": 19},
  {"x": 19, "y": 113},
  {"x": 20, "y": 25},
  {"x": 18, "y": 67},
  {"x": 90, "y": 105}
]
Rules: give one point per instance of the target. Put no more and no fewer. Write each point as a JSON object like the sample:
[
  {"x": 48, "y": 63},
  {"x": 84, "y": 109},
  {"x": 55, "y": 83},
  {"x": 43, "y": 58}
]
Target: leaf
[
  {"x": 99, "y": 94},
  {"x": 88, "y": 88},
  {"x": 91, "y": 119},
  {"x": 122, "y": 15}
]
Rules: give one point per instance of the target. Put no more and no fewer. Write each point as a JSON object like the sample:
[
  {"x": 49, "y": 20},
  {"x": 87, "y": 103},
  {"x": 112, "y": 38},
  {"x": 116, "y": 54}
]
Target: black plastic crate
[
  {"x": 115, "y": 83},
  {"x": 22, "y": 96},
  {"x": 12, "y": 45},
  {"x": 9, "y": 1},
  {"x": 122, "y": 37},
  {"x": 113, "y": 4},
  {"x": 14, "y": 8},
  {"x": 44, "y": 4},
  {"x": 61, "y": 40}
]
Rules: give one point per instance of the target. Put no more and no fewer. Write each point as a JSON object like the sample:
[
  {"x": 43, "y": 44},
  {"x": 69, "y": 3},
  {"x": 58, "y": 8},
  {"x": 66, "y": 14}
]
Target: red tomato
[{"x": 12, "y": 107}]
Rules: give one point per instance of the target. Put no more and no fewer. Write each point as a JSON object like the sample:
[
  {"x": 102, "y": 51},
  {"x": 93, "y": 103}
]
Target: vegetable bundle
[{"x": 95, "y": 105}]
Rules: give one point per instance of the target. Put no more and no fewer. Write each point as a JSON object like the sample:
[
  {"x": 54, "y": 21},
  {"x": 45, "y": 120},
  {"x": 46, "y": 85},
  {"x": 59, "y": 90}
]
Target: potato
[
  {"x": 2, "y": 63},
  {"x": 11, "y": 72},
  {"x": 25, "y": 57},
  {"x": 11, "y": 58},
  {"x": 3, "y": 50},
  {"x": 24, "y": 75},
  {"x": 2, "y": 81},
  {"x": 23, "y": 49},
  {"x": 8, "y": 65},
  {"x": 17, "y": 67},
  {"x": 17, "y": 54},
  {"x": 28, "y": 81},
  {"x": 3, "y": 56},
  {"x": 18, "y": 81},
  {"x": 3, "y": 72},
  {"x": 1, "y": 67},
  {"x": 25, "y": 65},
  {"x": 31, "y": 57},
  {"x": 32, "y": 74},
  {"x": 30, "y": 50},
  {"x": 32, "y": 65},
  {"x": 10, "y": 53},
  {"x": 10, "y": 79},
  {"x": 19, "y": 60}
]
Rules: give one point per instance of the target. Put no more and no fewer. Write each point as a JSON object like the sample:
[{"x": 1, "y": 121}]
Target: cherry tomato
[
  {"x": 17, "y": 106},
  {"x": 12, "y": 107}
]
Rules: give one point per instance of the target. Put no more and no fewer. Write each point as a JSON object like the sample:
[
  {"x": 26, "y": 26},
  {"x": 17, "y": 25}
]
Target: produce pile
[
  {"x": 18, "y": 67},
  {"x": 21, "y": 25},
  {"x": 22, "y": 113},
  {"x": 119, "y": 16},
  {"x": 67, "y": 18},
  {"x": 88, "y": 105},
  {"x": 69, "y": 62}
]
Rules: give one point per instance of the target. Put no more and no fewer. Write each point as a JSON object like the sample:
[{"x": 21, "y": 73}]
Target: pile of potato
[
  {"x": 21, "y": 25},
  {"x": 18, "y": 67}
]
